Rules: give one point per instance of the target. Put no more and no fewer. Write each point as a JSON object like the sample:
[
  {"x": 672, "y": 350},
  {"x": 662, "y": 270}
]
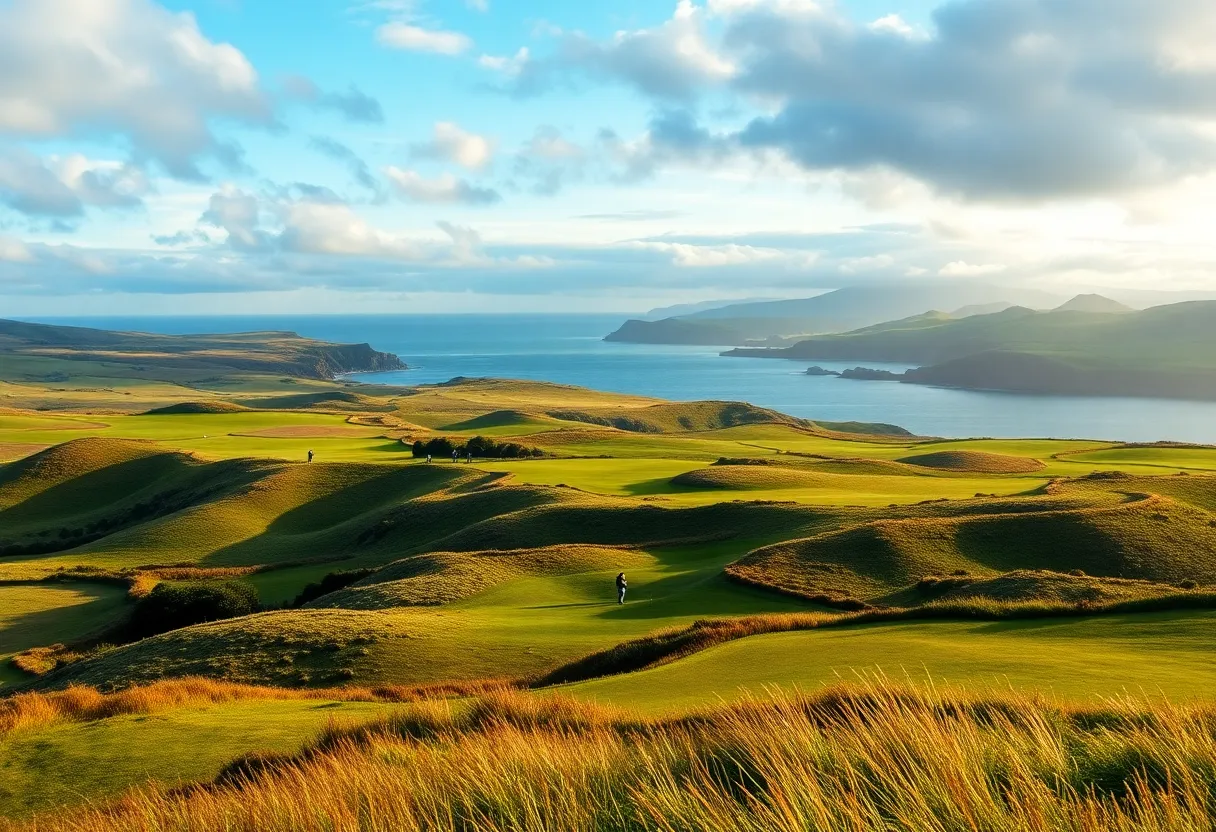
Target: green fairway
[
  {"x": 35, "y": 615},
  {"x": 1162, "y": 653},
  {"x": 70, "y": 763}
]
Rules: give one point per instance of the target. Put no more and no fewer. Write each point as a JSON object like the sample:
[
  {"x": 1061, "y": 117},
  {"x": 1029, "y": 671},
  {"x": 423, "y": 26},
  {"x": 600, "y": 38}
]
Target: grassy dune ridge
[{"x": 863, "y": 757}]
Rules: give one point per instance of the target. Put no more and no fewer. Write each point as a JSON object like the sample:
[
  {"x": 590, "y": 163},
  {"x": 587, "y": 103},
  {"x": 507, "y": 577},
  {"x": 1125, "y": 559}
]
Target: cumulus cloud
[
  {"x": 123, "y": 68},
  {"x": 414, "y": 186},
  {"x": 450, "y": 143},
  {"x": 510, "y": 66},
  {"x": 237, "y": 213},
  {"x": 354, "y": 105},
  {"x": 398, "y": 34},
  {"x": 62, "y": 186},
  {"x": 328, "y": 228},
  {"x": 672, "y": 61},
  {"x": 1001, "y": 100}
]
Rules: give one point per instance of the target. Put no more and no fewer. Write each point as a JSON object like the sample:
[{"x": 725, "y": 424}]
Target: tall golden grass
[
  {"x": 81, "y": 703},
  {"x": 871, "y": 757}
]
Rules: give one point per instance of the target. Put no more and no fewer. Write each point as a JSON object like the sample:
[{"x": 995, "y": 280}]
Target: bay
[{"x": 569, "y": 349}]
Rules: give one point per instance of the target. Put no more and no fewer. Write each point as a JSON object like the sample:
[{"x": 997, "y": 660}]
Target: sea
[{"x": 570, "y": 349}]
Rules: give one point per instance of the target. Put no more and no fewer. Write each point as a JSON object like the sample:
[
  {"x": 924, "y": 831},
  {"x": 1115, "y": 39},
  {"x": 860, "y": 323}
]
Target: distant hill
[
  {"x": 1165, "y": 351},
  {"x": 981, "y": 309},
  {"x": 284, "y": 353},
  {"x": 1093, "y": 303},
  {"x": 841, "y": 310},
  {"x": 691, "y": 308}
]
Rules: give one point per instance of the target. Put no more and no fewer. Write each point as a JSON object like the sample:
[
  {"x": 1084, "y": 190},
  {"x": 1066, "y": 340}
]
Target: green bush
[
  {"x": 172, "y": 606},
  {"x": 478, "y": 446},
  {"x": 332, "y": 582}
]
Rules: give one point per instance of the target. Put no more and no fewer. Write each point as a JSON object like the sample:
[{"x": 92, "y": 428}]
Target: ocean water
[{"x": 570, "y": 349}]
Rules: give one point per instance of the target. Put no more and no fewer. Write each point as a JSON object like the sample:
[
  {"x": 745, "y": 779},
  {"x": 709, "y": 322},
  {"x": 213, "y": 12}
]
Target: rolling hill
[
  {"x": 1164, "y": 351},
  {"x": 837, "y": 311}
]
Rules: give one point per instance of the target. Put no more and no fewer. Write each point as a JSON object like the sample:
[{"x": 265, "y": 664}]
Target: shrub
[
  {"x": 1077, "y": 573},
  {"x": 330, "y": 583},
  {"x": 1187, "y": 584},
  {"x": 172, "y": 606},
  {"x": 478, "y": 446}
]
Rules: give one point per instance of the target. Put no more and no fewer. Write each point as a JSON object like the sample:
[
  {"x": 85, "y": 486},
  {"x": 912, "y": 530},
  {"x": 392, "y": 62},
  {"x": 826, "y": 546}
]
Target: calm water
[{"x": 569, "y": 349}]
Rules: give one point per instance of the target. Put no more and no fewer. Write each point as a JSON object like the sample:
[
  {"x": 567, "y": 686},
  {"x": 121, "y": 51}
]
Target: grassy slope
[
  {"x": 62, "y": 765},
  {"x": 40, "y": 615},
  {"x": 1170, "y": 653}
]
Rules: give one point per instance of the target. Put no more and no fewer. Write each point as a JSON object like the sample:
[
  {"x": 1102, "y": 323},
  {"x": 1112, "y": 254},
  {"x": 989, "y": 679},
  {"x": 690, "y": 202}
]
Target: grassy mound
[
  {"x": 215, "y": 406},
  {"x": 326, "y": 400},
  {"x": 678, "y": 417},
  {"x": 61, "y": 464},
  {"x": 1153, "y": 538},
  {"x": 293, "y": 648},
  {"x": 750, "y": 477},
  {"x": 1047, "y": 587},
  {"x": 500, "y": 419},
  {"x": 976, "y": 462},
  {"x": 443, "y": 577}
]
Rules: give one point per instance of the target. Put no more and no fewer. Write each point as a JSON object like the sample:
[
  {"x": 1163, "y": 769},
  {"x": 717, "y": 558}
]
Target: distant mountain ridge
[
  {"x": 841, "y": 310},
  {"x": 1165, "y": 351}
]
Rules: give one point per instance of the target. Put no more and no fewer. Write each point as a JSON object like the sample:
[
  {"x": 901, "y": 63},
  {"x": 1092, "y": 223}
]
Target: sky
[{"x": 390, "y": 156}]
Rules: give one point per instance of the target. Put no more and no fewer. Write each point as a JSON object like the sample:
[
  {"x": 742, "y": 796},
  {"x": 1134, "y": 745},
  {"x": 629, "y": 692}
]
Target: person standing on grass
[
  {"x": 428, "y": 459},
  {"x": 310, "y": 454},
  {"x": 453, "y": 454},
  {"x": 621, "y": 586}
]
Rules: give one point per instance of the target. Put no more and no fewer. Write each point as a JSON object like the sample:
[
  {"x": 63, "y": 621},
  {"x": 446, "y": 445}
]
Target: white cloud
[
  {"x": 478, "y": 5},
  {"x": 961, "y": 268},
  {"x": 893, "y": 24},
  {"x": 63, "y": 186},
  {"x": 452, "y": 144},
  {"x": 672, "y": 60},
  {"x": 333, "y": 228},
  {"x": 237, "y": 213},
  {"x": 441, "y": 189},
  {"x": 400, "y": 35},
  {"x": 689, "y": 255},
  {"x": 125, "y": 68},
  {"x": 510, "y": 66}
]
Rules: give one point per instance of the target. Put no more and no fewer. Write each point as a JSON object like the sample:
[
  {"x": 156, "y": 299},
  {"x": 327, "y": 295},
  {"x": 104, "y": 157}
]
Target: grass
[
  {"x": 870, "y": 756},
  {"x": 33, "y": 615},
  {"x": 505, "y": 568},
  {"x": 1167, "y": 653}
]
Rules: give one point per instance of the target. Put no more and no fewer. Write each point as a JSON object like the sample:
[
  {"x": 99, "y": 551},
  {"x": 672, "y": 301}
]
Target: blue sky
[{"x": 497, "y": 155}]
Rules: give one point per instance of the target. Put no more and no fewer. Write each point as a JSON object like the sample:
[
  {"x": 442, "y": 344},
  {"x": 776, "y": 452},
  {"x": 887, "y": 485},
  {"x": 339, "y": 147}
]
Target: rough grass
[
  {"x": 81, "y": 703},
  {"x": 304, "y": 648},
  {"x": 978, "y": 462},
  {"x": 1151, "y": 538},
  {"x": 875, "y": 756},
  {"x": 436, "y": 578}
]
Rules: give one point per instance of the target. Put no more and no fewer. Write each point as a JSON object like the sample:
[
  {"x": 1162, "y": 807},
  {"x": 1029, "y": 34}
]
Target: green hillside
[
  {"x": 1165, "y": 351},
  {"x": 840, "y": 310}
]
